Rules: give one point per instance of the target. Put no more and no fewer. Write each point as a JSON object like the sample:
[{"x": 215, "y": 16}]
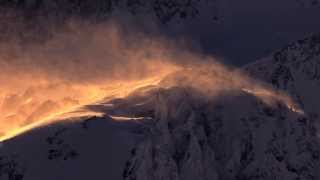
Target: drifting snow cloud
[{"x": 85, "y": 62}]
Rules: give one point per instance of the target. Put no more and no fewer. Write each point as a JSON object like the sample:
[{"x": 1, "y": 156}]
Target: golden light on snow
[
  {"x": 37, "y": 104},
  {"x": 39, "y": 84},
  {"x": 23, "y": 110}
]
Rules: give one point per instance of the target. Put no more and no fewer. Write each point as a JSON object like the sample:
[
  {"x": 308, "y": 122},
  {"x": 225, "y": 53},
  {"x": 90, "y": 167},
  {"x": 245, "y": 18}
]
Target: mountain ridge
[{"x": 183, "y": 134}]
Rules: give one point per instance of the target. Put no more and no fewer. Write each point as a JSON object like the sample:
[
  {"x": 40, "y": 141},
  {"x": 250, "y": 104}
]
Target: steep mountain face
[
  {"x": 296, "y": 70},
  {"x": 182, "y": 133},
  {"x": 237, "y": 136}
]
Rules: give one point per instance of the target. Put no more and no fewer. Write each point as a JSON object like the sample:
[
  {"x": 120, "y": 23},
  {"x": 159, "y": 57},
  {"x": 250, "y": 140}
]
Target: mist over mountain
[
  {"x": 143, "y": 90},
  {"x": 185, "y": 130}
]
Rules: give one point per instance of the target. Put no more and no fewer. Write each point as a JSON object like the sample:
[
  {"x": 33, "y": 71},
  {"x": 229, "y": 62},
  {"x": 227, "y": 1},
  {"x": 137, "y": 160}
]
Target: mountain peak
[{"x": 232, "y": 136}]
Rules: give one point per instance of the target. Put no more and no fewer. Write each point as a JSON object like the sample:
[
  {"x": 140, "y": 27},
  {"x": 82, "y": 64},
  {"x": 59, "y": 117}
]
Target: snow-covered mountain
[
  {"x": 235, "y": 136},
  {"x": 91, "y": 149},
  {"x": 181, "y": 133},
  {"x": 296, "y": 70}
]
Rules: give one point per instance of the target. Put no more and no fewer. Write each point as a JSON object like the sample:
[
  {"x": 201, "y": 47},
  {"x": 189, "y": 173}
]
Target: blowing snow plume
[
  {"x": 87, "y": 63},
  {"x": 78, "y": 66}
]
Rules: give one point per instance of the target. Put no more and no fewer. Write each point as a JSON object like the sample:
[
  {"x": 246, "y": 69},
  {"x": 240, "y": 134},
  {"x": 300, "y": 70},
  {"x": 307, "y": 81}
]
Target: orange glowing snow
[
  {"x": 87, "y": 64},
  {"x": 27, "y": 104}
]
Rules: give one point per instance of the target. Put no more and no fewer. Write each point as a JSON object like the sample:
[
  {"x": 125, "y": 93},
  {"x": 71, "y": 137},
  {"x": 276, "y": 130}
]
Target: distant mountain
[
  {"x": 32, "y": 21},
  {"x": 165, "y": 11},
  {"x": 181, "y": 133}
]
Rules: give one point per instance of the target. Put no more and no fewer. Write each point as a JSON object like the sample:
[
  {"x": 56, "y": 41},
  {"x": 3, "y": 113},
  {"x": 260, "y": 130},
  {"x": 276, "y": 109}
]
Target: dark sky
[{"x": 249, "y": 29}]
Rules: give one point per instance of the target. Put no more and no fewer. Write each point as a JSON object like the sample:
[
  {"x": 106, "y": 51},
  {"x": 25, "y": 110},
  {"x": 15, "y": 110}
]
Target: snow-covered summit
[{"x": 182, "y": 131}]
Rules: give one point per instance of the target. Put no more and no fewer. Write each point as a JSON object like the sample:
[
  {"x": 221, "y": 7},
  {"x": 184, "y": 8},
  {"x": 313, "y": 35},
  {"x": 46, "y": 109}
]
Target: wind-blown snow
[{"x": 203, "y": 121}]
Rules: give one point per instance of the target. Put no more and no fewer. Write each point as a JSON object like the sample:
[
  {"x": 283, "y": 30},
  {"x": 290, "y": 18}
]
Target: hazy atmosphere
[{"x": 159, "y": 89}]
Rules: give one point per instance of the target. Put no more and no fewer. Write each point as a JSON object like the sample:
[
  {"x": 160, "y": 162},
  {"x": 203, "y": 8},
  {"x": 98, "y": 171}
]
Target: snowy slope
[
  {"x": 90, "y": 149},
  {"x": 181, "y": 133},
  {"x": 235, "y": 136},
  {"x": 296, "y": 70},
  {"x": 239, "y": 137}
]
